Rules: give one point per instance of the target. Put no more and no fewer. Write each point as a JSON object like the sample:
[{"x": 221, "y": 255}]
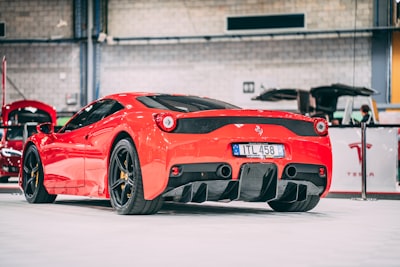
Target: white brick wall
[
  {"x": 214, "y": 68},
  {"x": 218, "y": 69},
  {"x": 42, "y": 72},
  {"x": 194, "y": 17},
  {"x": 36, "y": 18}
]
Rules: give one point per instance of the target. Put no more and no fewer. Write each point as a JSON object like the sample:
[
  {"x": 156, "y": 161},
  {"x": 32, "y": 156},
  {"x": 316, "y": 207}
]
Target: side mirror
[{"x": 46, "y": 128}]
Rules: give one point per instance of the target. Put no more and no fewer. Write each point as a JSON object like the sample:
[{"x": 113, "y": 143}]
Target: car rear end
[{"x": 248, "y": 155}]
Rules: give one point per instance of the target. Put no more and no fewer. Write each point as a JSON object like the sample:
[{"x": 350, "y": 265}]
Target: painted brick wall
[
  {"x": 42, "y": 72},
  {"x": 219, "y": 69},
  {"x": 213, "y": 68},
  {"x": 37, "y": 18},
  {"x": 194, "y": 17}
]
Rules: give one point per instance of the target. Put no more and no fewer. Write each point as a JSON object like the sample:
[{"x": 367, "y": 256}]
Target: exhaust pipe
[
  {"x": 224, "y": 171},
  {"x": 291, "y": 171}
]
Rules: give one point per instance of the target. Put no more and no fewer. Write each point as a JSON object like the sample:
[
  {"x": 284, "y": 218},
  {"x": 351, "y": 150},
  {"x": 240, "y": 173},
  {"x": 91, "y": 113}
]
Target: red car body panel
[{"x": 10, "y": 113}]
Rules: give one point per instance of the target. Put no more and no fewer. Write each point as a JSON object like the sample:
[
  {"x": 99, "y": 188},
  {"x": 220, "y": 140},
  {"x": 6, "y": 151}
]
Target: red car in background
[
  {"x": 139, "y": 149},
  {"x": 19, "y": 120}
]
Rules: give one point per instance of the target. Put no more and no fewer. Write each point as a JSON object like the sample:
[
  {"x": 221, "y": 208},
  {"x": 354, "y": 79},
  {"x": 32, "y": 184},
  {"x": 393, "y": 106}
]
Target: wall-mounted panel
[
  {"x": 2, "y": 29},
  {"x": 265, "y": 22}
]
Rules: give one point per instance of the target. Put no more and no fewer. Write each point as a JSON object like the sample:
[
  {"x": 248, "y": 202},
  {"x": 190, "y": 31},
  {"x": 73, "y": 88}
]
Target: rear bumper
[{"x": 258, "y": 182}]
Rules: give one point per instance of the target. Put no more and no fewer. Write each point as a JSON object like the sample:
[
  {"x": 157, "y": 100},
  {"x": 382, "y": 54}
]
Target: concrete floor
[{"x": 77, "y": 231}]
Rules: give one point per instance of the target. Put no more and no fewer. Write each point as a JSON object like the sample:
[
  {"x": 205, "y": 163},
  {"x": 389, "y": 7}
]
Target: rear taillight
[
  {"x": 165, "y": 121},
  {"x": 321, "y": 126}
]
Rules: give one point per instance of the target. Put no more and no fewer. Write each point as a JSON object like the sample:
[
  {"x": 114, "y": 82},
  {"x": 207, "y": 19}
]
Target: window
[
  {"x": 93, "y": 113},
  {"x": 183, "y": 103}
]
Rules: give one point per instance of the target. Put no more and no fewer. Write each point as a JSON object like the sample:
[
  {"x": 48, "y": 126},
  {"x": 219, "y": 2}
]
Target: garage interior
[{"x": 70, "y": 52}]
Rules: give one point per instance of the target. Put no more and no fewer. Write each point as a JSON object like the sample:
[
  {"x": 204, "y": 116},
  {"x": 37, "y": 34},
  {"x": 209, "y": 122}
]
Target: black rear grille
[{"x": 209, "y": 124}]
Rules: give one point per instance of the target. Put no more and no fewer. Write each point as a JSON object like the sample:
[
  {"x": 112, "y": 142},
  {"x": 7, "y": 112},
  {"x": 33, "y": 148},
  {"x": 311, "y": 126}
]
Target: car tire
[
  {"x": 298, "y": 206},
  {"x": 125, "y": 182},
  {"x": 32, "y": 178}
]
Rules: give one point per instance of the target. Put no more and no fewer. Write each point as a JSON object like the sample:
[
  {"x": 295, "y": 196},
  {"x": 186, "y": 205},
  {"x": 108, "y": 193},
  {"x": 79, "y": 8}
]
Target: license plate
[{"x": 258, "y": 150}]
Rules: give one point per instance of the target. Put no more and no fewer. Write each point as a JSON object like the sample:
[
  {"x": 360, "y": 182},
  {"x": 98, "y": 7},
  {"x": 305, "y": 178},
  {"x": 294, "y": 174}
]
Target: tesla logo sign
[{"x": 358, "y": 147}]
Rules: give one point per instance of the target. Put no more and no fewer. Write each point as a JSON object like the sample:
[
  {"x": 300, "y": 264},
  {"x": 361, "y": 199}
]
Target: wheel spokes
[
  {"x": 30, "y": 184},
  {"x": 31, "y": 173},
  {"x": 130, "y": 180},
  {"x": 28, "y": 163},
  {"x": 125, "y": 194},
  {"x": 35, "y": 169},
  {"x": 123, "y": 181},
  {"x": 117, "y": 184},
  {"x": 26, "y": 169},
  {"x": 121, "y": 164}
]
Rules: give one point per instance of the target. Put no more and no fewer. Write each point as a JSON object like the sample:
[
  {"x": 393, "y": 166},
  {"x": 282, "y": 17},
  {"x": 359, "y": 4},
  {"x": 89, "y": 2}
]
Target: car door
[
  {"x": 64, "y": 155},
  {"x": 63, "y": 159}
]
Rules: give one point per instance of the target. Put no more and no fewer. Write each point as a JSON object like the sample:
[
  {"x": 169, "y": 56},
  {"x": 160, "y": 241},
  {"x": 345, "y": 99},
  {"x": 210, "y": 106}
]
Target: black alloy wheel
[
  {"x": 32, "y": 178},
  {"x": 125, "y": 182}
]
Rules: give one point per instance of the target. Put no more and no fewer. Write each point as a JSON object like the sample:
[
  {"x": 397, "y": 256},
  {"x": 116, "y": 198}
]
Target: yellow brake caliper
[
  {"x": 124, "y": 175},
  {"x": 36, "y": 174}
]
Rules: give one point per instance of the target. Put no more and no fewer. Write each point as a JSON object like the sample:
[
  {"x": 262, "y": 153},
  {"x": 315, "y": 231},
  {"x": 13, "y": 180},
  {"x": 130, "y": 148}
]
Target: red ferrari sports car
[{"x": 140, "y": 149}]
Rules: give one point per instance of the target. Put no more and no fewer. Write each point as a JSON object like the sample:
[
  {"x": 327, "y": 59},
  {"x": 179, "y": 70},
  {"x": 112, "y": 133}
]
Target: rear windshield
[{"x": 184, "y": 103}]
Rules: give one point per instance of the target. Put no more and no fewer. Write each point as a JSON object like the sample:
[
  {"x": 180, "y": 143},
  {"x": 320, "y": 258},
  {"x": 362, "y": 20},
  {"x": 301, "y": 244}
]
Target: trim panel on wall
[
  {"x": 265, "y": 22},
  {"x": 395, "y": 68},
  {"x": 2, "y": 29}
]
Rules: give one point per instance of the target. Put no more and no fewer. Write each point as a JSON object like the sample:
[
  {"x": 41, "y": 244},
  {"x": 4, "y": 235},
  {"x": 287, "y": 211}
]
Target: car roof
[
  {"x": 126, "y": 97},
  {"x": 138, "y": 99}
]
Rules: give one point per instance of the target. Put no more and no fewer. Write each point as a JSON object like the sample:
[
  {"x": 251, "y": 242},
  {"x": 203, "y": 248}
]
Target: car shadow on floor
[{"x": 207, "y": 208}]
